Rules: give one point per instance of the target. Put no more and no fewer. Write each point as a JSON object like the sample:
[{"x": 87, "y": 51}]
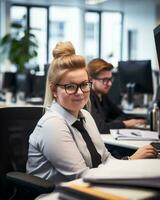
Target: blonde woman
[{"x": 58, "y": 149}]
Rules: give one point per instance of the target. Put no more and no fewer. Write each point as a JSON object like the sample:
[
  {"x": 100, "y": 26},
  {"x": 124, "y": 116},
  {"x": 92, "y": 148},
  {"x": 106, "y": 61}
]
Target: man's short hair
[{"x": 97, "y": 65}]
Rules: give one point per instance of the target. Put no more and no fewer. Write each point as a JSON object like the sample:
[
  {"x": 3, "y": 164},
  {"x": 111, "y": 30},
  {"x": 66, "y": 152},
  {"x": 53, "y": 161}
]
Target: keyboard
[{"x": 156, "y": 145}]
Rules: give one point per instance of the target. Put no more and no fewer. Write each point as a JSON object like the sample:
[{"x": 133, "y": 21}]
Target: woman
[{"x": 57, "y": 150}]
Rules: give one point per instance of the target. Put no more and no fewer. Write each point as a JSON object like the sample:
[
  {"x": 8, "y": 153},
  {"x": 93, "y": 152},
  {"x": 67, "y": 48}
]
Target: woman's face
[{"x": 72, "y": 102}]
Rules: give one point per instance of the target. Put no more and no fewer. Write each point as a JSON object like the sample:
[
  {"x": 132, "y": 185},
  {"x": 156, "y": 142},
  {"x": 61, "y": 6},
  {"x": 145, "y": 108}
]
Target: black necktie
[{"x": 95, "y": 156}]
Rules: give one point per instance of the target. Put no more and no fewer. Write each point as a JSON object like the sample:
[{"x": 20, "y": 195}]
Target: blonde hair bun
[{"x": 63, "y": 49}]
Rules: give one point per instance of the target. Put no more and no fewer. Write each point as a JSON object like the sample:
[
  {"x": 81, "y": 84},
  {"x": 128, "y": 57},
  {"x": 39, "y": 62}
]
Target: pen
[{"x": 136, "y": 134}]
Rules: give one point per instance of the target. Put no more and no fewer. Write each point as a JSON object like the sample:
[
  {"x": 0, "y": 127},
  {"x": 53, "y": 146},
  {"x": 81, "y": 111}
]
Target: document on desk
[
  {"x": 143, "y": 173},
  {"x": 134, "y": 134},
  {"x": 81, "y": 191}
]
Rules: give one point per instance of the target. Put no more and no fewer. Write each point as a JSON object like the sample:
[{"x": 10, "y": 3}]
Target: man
[{"x": 106, "y": 114}]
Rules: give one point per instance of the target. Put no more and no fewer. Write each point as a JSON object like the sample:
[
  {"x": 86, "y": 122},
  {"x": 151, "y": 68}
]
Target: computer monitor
[
  {"x": 46, "y": 67},
  {"x": 135, "y": 78},
  {"x": 157, "y": 41},
  {"x": 156, "y": 32},
  {"x": 9, "y": 81},
  {"x": 115, "y": 91},
  {"x": 35, "y": 88},
  {"x": 39, "y": 85},
  {"x": 21, "y": 82},
  {"x": 138, "y": 72}
]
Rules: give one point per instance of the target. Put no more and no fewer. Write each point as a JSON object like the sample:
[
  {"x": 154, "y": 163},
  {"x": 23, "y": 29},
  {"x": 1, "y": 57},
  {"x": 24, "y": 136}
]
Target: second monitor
[{"x": 135, "y": 77}]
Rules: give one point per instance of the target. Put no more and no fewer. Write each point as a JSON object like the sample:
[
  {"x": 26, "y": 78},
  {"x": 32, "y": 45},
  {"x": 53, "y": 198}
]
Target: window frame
[{"x": 99, "y": 12}]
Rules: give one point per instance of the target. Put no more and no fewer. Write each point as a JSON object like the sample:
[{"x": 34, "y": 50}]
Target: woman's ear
[{"x": 53, "y": 89}]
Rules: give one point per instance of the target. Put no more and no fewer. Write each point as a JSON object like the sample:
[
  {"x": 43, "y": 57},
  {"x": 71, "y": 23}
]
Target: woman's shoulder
[
  {"x": 48, "y": 123},
  {"x": 86, "y": 114},
  {"x": 50, "y": 116}
]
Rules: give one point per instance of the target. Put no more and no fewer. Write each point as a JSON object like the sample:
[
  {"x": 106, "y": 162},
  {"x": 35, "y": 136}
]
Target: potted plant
[{"x": 18, "y": 47}]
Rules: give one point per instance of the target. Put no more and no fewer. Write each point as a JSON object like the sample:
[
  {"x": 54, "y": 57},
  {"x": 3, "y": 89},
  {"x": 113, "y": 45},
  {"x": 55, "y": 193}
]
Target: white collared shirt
[{"x": 57, "y": 151}]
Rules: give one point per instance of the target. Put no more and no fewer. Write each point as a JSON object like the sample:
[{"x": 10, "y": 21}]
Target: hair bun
[{"x": 63, "y": 49}]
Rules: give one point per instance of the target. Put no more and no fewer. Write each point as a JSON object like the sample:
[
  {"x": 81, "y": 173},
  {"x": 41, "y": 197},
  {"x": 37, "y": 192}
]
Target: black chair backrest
[{"x": 16, "y": 124}]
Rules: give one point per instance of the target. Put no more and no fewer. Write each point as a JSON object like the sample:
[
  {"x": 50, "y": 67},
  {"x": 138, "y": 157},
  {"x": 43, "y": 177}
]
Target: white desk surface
[
  {"x": 3, "y": 105},
  {"x": 134, "y": 144},
  {"x": 136, "y": 111}
]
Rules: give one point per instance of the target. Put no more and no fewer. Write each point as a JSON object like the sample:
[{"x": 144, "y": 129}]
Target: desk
[
  {"x": 137, "y": 112},
  {"x": 22, "y": 104},
  {"x": 128, "y": 193},
  {"x": 121, "y": 148}
]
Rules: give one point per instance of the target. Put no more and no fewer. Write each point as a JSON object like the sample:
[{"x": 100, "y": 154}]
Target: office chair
[{"x": 17, "y": 123}]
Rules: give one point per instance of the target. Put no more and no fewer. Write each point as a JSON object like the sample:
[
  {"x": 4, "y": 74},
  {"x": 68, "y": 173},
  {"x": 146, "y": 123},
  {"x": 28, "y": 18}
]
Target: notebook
[{"x": 134, "y": 134}]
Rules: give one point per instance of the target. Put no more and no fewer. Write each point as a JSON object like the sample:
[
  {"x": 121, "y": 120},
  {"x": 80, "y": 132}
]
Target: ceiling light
[{"x": 93, "y": 2}]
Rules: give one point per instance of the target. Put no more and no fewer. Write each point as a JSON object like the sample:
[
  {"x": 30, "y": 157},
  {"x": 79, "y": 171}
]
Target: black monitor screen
[
  {"x": 157, "y": 41},
  {"x": 136, "y": 72},
  {"x": 39, "y": 86},
  {"x": 9, "y": 81}
]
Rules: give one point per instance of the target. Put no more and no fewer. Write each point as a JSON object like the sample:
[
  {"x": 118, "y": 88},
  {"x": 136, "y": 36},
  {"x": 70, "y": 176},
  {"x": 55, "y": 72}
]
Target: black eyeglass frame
[
  {"x": 89, "y": 83},
  {"x": 104, "y": 79}
]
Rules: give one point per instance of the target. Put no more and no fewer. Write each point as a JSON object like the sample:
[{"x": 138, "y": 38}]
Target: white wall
[{"x": 141, "y": 16}]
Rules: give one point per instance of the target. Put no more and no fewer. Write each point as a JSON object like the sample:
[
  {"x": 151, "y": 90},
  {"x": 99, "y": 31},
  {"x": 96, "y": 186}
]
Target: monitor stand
[{"x": 130, "y": 95}]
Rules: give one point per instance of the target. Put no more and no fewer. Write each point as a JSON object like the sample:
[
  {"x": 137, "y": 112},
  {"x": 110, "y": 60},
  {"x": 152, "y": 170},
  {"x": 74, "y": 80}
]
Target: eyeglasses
[
  {"x": 105, "y": 80},
  {"x": 72, "y": 88}
]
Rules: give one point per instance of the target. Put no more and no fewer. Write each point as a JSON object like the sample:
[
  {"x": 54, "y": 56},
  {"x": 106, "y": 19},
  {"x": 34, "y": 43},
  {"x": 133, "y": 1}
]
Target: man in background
[{"x": 106, "y": 114}]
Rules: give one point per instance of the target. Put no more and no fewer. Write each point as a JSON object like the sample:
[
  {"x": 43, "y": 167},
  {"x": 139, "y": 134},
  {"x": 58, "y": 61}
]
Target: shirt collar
[{"x": 65, "y": 114}]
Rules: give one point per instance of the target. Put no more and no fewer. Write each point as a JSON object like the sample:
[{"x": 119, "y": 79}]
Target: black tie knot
[{"x": 79, "y": 125}]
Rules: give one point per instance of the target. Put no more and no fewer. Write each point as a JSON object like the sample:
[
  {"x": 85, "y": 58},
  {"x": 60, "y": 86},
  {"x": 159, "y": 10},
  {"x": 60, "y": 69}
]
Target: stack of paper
[
  {"x": 82, "y": 191},
  {"x": 134, "y": 134}
]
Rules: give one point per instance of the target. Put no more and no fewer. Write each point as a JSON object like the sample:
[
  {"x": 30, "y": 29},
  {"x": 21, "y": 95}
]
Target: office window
[
  {"x": 27, "y": 17},
  {"x": 103, "y": 35},
  {"x": 91, "y": 35},
  {"x": 99, "y": 36},
  {"x": 58, "y": 28},
  {"x": 39, "y": 29},
  {"x": 111, "y": 24},
  {"x": 90, "y": 30},
  {"x": 18, "y": 15},
  {"x": 65, "y": 25},
  {"x": 132, "y": 44}
]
